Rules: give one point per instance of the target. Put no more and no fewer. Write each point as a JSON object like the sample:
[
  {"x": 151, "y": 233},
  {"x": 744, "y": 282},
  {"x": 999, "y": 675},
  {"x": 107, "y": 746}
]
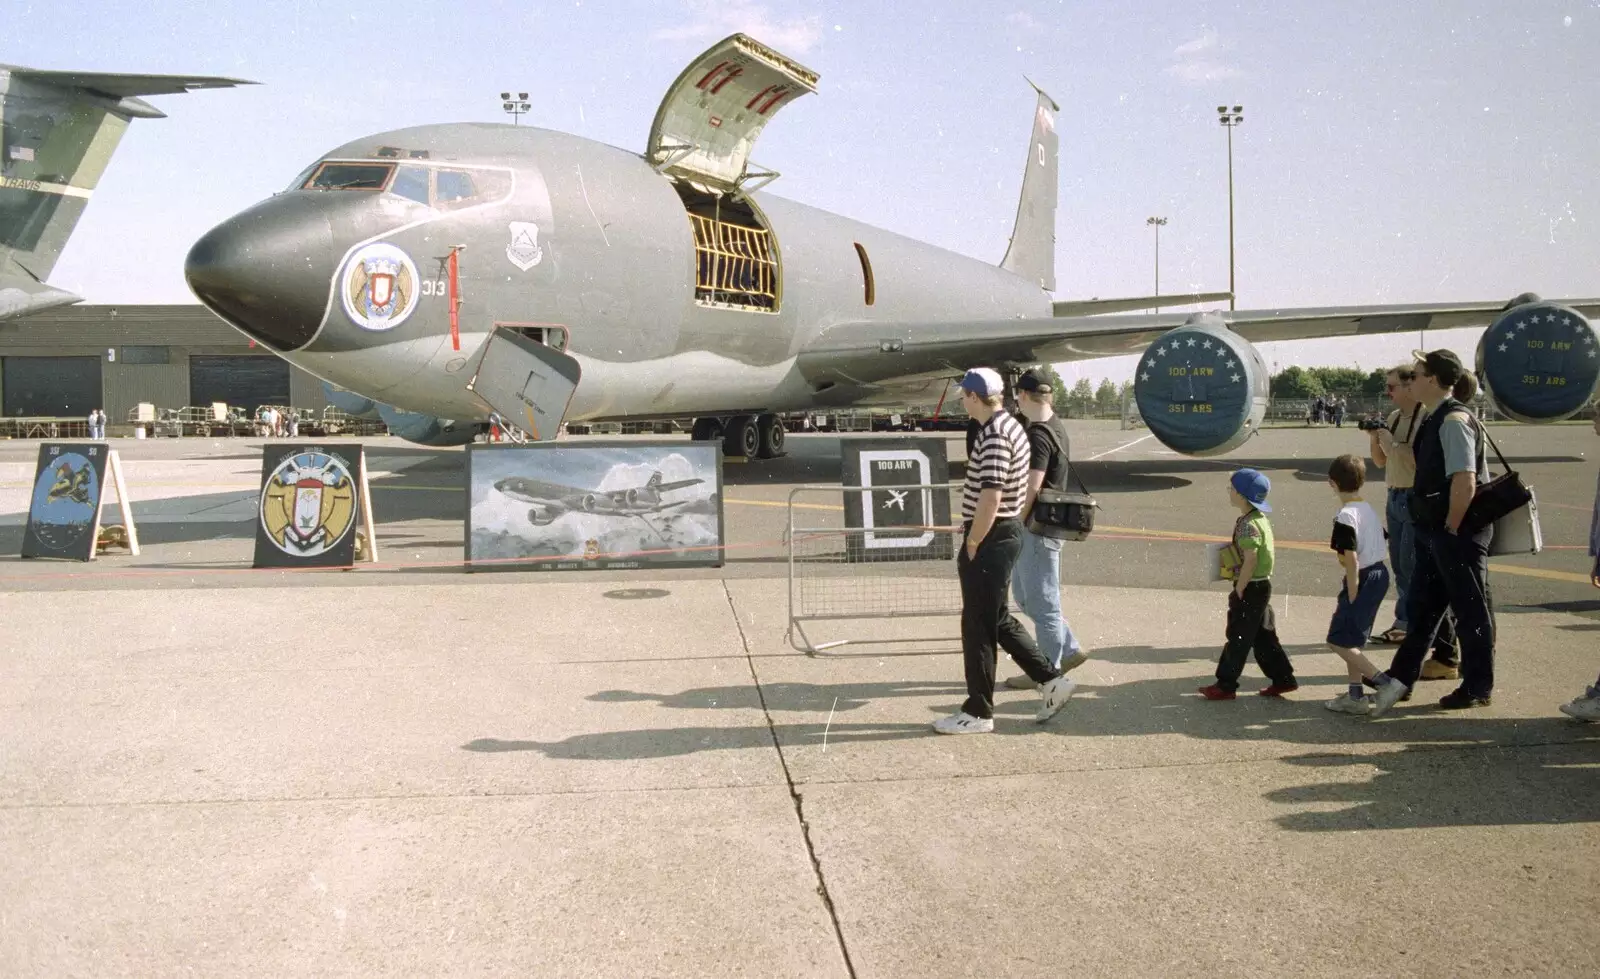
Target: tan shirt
[{"x": 1401, "y": 470}]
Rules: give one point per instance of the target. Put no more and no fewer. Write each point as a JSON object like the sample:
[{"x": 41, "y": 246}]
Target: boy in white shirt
[{"x": 1360, "y": 541}]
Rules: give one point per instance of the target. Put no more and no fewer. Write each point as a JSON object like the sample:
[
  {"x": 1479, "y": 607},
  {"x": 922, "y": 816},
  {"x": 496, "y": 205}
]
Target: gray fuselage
[{"x": 583, "y": 237}]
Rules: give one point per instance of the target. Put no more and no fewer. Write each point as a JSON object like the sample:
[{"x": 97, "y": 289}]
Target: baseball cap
[
  {"x": 1254, "y": 487},
  {"x": 1441, "y": 362},
  {"x": 1033, "y": 382},
  {"x": 982, "y": 381}
]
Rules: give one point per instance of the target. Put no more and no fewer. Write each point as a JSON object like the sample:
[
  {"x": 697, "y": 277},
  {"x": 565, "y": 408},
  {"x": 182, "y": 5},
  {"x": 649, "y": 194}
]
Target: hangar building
[{"x": 61, "y": 363}]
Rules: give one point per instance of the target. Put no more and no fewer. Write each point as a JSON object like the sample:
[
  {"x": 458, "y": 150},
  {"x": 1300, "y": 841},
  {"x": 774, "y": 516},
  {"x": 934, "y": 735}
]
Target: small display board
[
  {"x": 896, "y": 524},
  {"x": 615, "y": 505},
  {"x": 64, "y": 511},
  {"x": 313, "y": 500},
  {"x": 527, "y": 383}
]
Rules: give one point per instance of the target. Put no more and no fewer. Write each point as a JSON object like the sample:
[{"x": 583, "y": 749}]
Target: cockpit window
[
  {"x": 350, "y": 176},
  {"x": 411, "y": 182},
  {"x": 453, "y": 188}
]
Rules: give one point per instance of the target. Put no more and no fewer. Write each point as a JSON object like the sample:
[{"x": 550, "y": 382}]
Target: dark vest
[
  {"x": 1430, "y": 494},
  {"x": 1055, "y": 473}
]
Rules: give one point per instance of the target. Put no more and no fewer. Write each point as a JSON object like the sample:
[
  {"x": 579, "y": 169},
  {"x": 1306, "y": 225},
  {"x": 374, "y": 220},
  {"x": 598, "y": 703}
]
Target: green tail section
[{"x": 58, "y": 131}]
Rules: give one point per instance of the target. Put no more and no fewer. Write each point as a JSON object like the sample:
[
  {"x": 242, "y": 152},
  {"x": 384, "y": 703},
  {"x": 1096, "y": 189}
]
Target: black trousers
[
  {"x": 1452, "y": 573},
  {"x": 1252, "y": 628},
  {"x": 986, "y": 622}
]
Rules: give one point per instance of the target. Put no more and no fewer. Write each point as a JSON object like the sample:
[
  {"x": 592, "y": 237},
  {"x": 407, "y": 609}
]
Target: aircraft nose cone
[{"x": 267, "y": 271}]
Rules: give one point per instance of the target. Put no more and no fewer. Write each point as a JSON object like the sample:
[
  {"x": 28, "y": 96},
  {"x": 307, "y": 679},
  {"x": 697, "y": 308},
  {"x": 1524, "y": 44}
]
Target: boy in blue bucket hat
[{"x": 1251, "y": 627}]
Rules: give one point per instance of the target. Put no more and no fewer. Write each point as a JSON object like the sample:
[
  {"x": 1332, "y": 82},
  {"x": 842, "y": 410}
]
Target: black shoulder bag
[
  {"x": 1503, "y": 494},
  {"x": 1062, "y": 514}
]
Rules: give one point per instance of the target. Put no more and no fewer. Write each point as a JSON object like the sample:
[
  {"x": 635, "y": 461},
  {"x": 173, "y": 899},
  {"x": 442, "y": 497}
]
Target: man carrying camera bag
[{"x": 1036, "y": 579}]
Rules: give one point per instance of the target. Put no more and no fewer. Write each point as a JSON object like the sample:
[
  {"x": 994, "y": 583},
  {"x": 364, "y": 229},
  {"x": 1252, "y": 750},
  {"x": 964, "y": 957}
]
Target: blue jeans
[
  {"x": 1402, "y": 551},
  {"x": 1036, "y": 587}
]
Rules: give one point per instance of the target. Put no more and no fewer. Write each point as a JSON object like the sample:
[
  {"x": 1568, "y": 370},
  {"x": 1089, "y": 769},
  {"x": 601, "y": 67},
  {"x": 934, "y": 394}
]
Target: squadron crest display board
[
  {"x": 612, "y": 505},
  {"x": 312, "y": 500},
  {"x": 894, "y": 522},
  {"x": 64, "y": 508}
]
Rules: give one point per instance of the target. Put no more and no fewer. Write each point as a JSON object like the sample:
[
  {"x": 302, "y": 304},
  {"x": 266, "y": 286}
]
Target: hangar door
[
  {"x": 243, "y": 382},
  {"x": 62, "y": 387}
]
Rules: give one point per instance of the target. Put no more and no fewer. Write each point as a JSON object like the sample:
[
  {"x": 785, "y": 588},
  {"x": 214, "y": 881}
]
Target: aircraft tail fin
[
  {"x": 655, "y": 480},
  {"x": 58, "y": 131},
  {"x": 1032, "y": 251}
]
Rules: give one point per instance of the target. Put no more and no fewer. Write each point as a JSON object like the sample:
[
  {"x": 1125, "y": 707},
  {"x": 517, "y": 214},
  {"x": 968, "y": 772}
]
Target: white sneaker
[
  {"x": 1387, "y": 696},
  {"x": 1583, "y": 708},
  {"x": 1021, "y": 682},
  {"x": 1345, "y": 704},
  {"x": 963, "y": 723},
  {"x": 1055, "y": 695}
]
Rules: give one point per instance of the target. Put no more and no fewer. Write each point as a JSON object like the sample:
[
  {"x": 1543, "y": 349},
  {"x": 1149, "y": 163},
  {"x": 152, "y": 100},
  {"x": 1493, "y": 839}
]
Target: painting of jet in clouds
[
  {"x": 552, "y": 500},
  {"x": 569, "y": 506}
]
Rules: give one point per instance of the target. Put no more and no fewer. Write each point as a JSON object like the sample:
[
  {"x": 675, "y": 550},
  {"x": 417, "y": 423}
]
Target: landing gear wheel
[
  {"x": 769, "y": 428},
  {"x": 741, "y": 437},
  {"x": 706, "y": 429}
]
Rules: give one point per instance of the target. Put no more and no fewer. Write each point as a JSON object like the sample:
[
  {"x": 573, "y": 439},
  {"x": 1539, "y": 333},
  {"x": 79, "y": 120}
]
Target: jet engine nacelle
[
  {"x": 640, "y": 497},
  {"x": 426, "y": 429},
  {"x": 1539, "y": 361},
  {"x": 541, "y": 516},
  {"x": 1202, "y": 388},
  {"x": 587, "y": 502},
  {"x": 353, "y": 404}
]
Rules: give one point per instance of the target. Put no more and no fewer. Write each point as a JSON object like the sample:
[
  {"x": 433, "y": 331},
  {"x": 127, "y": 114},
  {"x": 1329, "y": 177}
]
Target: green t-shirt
[{"x": 1253, "y": 532}]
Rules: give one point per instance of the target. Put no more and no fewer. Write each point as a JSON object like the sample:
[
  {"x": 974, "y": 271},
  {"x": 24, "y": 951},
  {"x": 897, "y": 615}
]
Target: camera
[{"x": 1372, "y": 423}]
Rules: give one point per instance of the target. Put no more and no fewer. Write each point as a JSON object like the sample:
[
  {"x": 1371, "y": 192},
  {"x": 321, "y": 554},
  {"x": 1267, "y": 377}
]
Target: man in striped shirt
[{"x": 991, "y": 510}]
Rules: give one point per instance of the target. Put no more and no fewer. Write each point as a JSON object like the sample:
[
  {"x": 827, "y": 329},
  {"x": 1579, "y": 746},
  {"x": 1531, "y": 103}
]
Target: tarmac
[{"x": 408, "y": 769}]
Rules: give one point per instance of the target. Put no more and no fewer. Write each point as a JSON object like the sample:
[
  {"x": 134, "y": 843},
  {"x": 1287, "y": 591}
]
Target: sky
[{"x": 1428, "y": 152}]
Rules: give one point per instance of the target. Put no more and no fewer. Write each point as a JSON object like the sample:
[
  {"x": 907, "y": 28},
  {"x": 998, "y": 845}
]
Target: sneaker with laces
[
  {"x": 963, "y": 723},
  {"x": 1435, "y": 670},
  {"x": 1074, "y": 659},
  {"x": 1346, "y": 704},
  {"x": 1021, "y": 682},
  {"x": 1586, "y": 708},
  {"x": 1387, "y": 696},
  {"x": 1055, "y": 694}
]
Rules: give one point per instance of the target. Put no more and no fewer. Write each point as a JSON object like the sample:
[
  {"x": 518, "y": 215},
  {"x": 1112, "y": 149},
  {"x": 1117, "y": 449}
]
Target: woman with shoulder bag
[{"x": 1452, "y": 560}]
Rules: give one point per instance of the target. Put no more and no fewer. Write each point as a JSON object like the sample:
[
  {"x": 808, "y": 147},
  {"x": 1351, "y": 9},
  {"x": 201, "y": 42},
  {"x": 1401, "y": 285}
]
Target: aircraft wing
[
  {"x": 680, "y": 484},
  {"x": 126, "y": 86},
  {"x": 869, "y": 353},
  {"x": 1085, "y": 307}
]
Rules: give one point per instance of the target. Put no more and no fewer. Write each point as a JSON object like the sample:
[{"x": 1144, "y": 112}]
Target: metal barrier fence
[{"x": 840, "y": 574}]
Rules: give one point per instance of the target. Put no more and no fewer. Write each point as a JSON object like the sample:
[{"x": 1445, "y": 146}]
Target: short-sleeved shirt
[
  {"x": 1253, "y": 532},
  {"x": 1460, "y": 444},
  {"x": 1400, "y": 468},
  {"x": 1044, "y": 455},
  {"x": 1357, "y": 527},
  {"x": 999, "y": 459}
]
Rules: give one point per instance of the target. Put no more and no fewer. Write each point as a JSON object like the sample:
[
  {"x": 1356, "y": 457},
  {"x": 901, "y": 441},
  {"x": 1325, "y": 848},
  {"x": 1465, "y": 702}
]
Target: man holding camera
[{"x": 1391, "y": 445}]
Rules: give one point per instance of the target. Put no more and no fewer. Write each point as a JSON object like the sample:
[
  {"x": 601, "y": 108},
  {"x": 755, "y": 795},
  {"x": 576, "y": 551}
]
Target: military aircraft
[
  {"x": 684, "y": 291},
  {"x": 553, "y": 501},
  {"x": 58, "y": 130}
]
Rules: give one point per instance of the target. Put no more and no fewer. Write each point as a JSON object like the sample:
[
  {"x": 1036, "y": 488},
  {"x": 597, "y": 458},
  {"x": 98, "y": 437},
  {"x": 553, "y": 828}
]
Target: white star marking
[
  {"x": 1191, "y": 341},
  {"x": 1236, "y": 378},
  {"x": 1566, "y": 320},
  {"x": 1549, "y": 317},
  {"x": 1144, "y": 377},
  {"x": 1590, "y": 355},
  {"x": 1232, "y": 363},
  {"x": 1504, "y": 348},
  {"x": 1207, "y": 345},
  {"x": 1161, "y": 351}
]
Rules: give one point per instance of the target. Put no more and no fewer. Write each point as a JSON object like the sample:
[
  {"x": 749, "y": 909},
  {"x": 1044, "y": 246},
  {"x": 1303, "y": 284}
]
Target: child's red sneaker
[
  {"x": 1215, "y": 692},
  {"x": 1277, "y": 689}
]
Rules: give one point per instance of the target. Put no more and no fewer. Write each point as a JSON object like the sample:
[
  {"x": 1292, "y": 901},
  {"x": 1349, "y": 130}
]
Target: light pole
[
  {"x": 516, "y": 107},
  {"x": 1229, "y": 120},
  {"x": 1157, "y": 223}
]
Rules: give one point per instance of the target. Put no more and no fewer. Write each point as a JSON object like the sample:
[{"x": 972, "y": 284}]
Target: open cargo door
[{"x": 715, "y": 110}]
